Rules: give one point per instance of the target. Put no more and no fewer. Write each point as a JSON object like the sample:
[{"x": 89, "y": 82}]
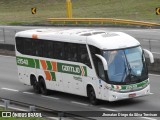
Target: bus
[{"x": 96, "y": 64}]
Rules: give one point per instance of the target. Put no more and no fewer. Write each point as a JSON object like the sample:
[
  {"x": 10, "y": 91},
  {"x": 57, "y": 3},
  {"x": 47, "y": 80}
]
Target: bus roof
[{"x": 98, "y": 38}]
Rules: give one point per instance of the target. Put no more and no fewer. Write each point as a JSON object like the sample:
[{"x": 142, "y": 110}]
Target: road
[
  {"x": 149, "y": 38},
  {"x": 11, "y": 88}
]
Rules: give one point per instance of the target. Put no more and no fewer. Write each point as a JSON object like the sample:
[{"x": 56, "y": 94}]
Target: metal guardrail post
[
  {"x": 69, "y": 8},
  {"x": 4, "y": 35},
  {"x": 60, "y": 115},
  {"x": 32, "y": 108},
  {"x": 6, "y": 104},
  {"x": 150, "y": 45}
]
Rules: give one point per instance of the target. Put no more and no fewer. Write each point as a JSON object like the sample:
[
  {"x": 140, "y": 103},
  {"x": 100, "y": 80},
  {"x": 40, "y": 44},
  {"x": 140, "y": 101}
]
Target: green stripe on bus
[
  {"x": 85, "y": 70},
  {"x": 61, "y": 67},
  {"x": 27, "y": 62},
  {"x": 49, "y": 66},
  {"x": 125, "y": 87},
  {"x": 53, "y": 76},
  {"x": 37, "y": 64}
]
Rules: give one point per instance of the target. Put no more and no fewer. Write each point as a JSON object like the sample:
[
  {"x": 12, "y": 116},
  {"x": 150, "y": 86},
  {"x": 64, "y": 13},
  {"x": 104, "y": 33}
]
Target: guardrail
[
  {"x": 103, "y": 20},
  {"x": 46, "y": 112}
]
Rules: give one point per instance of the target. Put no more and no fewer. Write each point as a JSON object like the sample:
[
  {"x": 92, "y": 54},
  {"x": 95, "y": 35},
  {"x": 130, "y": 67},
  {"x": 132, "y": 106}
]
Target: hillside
[{"x": 19, "y": 11}]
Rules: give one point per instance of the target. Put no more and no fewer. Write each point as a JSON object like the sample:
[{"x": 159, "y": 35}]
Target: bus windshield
[{"x": 126, "y": 66}]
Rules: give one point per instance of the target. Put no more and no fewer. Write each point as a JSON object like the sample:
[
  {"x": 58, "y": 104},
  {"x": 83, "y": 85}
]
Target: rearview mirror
[
  {"x": 150, "y": 55},
  {"x": 105, "y": 64}
]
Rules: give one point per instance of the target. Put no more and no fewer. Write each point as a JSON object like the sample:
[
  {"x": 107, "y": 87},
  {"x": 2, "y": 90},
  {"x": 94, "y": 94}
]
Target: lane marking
[
  {"x": 148, "y": 118},
  {"x": 50, "y": 97},
  {"x": 53, "y": 118},
  {"x": 155, "y": 75},
  {"x": 155, "y": 53},
  {"x": 28, "y": 93},
  {"x": 150, "y": 40},
  {"x": 151, "y": 93},
  {"x": 107, "y": 109},
  {"x": 79, "y": 103},
  {"x": 14, "y": 90},
  {"x": 7, "y": 56}
]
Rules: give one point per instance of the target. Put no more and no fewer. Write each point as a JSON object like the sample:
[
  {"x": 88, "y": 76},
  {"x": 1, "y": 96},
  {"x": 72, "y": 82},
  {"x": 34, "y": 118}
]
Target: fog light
[{"x": 115, "y": 97}]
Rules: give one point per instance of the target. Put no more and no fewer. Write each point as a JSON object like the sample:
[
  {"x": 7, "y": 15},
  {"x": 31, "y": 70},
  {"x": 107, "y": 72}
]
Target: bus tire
[
  {"x": 92, "y": 96},
  {"x": 35, "y": 84},
  {"x": 43, "y": 88}
]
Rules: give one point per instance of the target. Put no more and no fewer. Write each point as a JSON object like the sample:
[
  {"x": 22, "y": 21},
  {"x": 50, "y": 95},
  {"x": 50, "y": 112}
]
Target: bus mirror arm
[
  {"x": 150, "y": 55},
  {"x": 105, "y": 64}
]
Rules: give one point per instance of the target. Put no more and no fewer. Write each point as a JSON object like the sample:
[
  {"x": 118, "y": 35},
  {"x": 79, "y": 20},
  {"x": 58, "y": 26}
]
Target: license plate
[{"x": 132, "y": 95}]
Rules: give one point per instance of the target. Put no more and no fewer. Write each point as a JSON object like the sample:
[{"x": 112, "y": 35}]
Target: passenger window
[
  {"x": 97, "y": 62},
  {"x": 101, "y": 70},
  {"x": 83, "y": 55},
  {"x": 28, "y": 47},
  {"x": 20, "y": 44},
  {"x": 71, "y": 52},
  {"x": 48, "y": 51},
  {"x": 58, "y": 50}
]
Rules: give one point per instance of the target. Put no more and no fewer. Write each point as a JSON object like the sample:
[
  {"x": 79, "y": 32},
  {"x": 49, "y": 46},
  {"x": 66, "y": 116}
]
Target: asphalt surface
[
  {"x": 11, "y": 88},
  {"x": 149, "y": 38}
]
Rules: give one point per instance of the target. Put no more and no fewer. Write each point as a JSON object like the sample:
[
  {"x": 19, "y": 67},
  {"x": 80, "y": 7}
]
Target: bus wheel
[
  {"x": 43, "y": 88},
  {"x": 36, "y": 86},
  {"x": 92, "y": 96}
]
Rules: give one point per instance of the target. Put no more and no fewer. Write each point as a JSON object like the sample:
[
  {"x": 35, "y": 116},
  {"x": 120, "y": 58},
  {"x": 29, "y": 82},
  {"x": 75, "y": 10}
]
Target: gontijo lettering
[{"x": 71, "y": 69}]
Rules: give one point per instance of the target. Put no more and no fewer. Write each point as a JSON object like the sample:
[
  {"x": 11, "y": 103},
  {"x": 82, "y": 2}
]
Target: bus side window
[
  {"x": 71, "y": 52},
  {"x": 83, "y": 55},
  {"x": 28, "y": 46},
  {"x": 59, "y": 50},
  {"x": 101, "y": 70},
  {"x": 20, "y": 44},
  {"x": 48, "y": 51},
  {"x": 97, "y": 62}
]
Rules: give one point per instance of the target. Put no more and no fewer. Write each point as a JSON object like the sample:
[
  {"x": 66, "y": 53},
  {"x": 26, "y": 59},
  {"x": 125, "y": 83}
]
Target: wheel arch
[
  {"x": 87, "y": 88},
  {"x": 32, "y": 76}
]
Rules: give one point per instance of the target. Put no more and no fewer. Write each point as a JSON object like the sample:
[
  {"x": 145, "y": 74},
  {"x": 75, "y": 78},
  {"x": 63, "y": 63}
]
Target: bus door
[{"x": 103, "y": 91}]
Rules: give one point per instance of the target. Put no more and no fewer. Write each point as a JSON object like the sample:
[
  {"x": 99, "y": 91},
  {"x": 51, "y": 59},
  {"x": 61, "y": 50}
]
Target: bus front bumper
[{"x": 115, "y": 96}]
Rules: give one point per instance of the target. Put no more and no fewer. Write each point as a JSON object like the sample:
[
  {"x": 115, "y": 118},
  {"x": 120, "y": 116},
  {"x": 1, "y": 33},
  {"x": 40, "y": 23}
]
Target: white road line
[
  {"x": 155, "y": 75},
  {"x": 9, "y": 89},
  {"x": 79, "y": 103},
  {"x": 7, "y": 56},
  {"x": 150, "y": 40},
  {"x": 151, "y": 93},
  {"x": 6, "y": 31},
  {"x": 155, "y": 53},
  {"x": 50, "y": 97},
  {"x": 107, "y": 109},
  {"x": 53, "y": 118},
  {"x": 28, "y": 93},
  {"x": 148, "y": 118}
]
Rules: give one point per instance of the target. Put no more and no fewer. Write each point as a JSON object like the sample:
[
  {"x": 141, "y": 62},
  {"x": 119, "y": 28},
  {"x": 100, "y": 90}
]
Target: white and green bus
[{"x": 93, "y": 63}]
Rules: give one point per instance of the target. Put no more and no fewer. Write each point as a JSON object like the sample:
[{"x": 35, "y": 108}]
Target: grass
[{"x": 19, "y": 11}]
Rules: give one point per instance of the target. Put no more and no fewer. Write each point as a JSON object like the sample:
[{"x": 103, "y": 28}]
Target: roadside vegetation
[{"x": 19, "y": 11}]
